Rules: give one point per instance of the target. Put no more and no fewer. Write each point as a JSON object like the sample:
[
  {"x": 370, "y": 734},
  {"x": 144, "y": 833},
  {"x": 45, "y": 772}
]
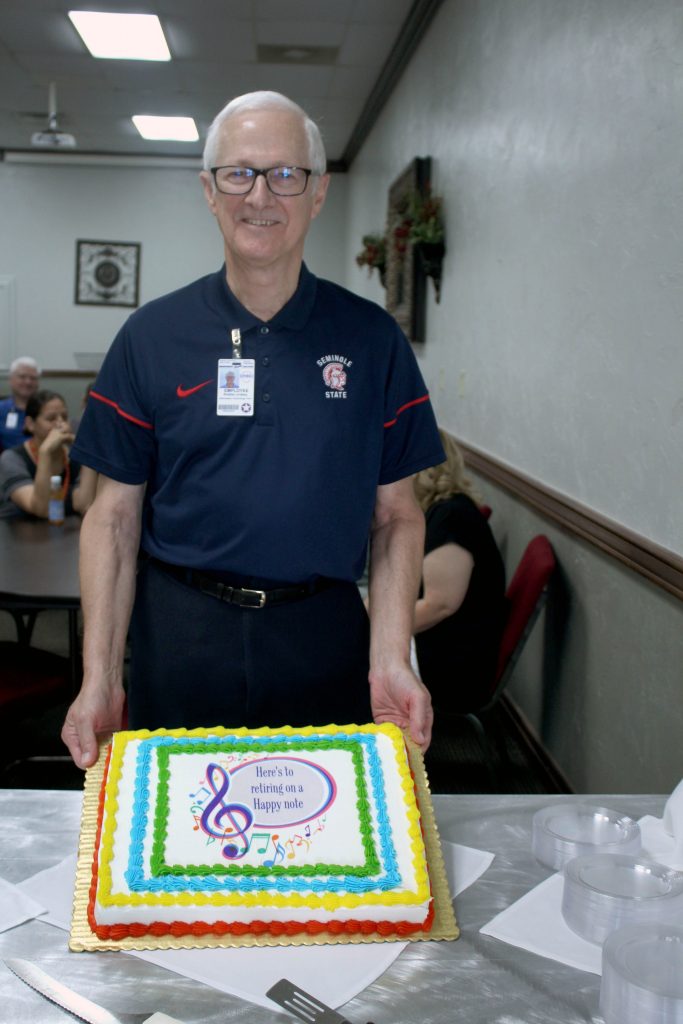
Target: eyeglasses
[{"x": 282, "y": 181}]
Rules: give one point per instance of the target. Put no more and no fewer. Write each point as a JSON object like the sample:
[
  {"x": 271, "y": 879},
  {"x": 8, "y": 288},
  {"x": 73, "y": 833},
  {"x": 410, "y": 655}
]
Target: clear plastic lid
[
  {"x": 569, "y": 830},
  {"x": 603, "y": 892},
  {"x": 642, "y": 975}
]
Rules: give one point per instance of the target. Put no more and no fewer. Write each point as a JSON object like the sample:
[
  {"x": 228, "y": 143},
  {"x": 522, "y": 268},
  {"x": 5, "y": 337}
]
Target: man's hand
[
  {"x": 398, "y": 696},
  {"x": 90, "y": 717}
]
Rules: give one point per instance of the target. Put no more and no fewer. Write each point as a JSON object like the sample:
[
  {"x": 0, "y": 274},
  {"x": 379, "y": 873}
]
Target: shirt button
[
  {"x": 265, "y": 361},
  {"x": 266, "y": 396},
  {"x": 265, "y": 330}
]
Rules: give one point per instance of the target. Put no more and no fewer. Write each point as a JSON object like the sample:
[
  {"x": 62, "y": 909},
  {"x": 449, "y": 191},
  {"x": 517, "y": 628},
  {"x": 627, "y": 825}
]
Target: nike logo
[{"x": 184, "y": 392}]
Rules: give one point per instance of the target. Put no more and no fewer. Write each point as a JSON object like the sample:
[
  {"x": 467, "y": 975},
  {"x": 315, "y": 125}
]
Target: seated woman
[
  {"x": 25, "y": 471},
  {"x": 459, "y": 615}
]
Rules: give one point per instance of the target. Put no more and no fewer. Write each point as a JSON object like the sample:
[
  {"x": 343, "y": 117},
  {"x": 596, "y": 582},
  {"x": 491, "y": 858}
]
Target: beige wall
[{"x": 554, "y": 130}]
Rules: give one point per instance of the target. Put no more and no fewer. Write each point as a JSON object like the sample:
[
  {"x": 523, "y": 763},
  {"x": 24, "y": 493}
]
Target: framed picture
[
  {"x": 406, "y": 281},
  {"x": 107, "y": 273}
]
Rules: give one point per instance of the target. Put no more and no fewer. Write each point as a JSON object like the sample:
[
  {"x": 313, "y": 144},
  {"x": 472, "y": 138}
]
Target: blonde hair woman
[{"x": 459, "y": 615}]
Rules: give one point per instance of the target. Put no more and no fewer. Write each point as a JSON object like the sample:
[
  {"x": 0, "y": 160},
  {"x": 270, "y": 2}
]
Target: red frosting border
[{"x": 180, "y": 929}]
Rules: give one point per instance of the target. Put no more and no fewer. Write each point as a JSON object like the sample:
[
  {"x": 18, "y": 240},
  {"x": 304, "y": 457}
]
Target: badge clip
[{"x": 236, "y": 336}]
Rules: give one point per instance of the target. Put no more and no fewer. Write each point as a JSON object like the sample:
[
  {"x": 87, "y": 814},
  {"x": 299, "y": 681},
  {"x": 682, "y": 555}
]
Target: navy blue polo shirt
[{"x": 288, "y": 492}]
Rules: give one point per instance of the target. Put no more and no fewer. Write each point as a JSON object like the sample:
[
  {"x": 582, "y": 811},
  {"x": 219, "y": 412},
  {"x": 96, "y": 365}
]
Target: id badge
[
  {"x": 235, "y": 395},
  {"x": 12, "y": 420}
]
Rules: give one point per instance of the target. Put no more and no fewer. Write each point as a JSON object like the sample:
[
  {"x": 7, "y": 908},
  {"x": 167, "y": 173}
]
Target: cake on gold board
[{"x": 235, "y": 837}]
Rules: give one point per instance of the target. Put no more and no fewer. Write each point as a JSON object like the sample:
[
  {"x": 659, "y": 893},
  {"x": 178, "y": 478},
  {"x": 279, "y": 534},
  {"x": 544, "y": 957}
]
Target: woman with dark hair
[
  {"x": 459, "y": 615},
  {"x": 25, "y": 471}
]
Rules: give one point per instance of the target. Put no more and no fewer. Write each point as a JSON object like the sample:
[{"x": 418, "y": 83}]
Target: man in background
[
  {"x": 24, "y": 375},
  {"x": 251, "y": 506}
]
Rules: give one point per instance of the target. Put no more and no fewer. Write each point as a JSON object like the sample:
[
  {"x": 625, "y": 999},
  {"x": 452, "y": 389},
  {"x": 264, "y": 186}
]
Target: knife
[{"x": 69, "y": 1000}]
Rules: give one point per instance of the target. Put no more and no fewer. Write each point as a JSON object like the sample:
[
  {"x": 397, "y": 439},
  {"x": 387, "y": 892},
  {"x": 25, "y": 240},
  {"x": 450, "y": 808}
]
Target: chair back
[
  {"x": 30, "y": 680},
  {"x": 525, "y": 597}
]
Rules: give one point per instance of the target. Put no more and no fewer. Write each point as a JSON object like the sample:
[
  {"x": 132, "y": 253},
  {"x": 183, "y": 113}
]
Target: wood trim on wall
[{"x": 659, "y": 565}]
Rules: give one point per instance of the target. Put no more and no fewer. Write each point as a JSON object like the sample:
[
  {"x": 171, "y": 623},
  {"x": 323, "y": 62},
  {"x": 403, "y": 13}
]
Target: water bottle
[{"x": 55, "y": 512}]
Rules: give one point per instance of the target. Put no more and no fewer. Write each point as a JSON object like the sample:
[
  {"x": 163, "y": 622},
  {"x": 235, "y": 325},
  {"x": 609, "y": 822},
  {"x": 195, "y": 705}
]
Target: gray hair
[
  {"x": 265, "y": 100},
  {"x": 24, "y": 361}
]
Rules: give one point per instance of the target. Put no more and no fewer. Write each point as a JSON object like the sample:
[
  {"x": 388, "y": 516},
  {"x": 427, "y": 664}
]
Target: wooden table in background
[{"x": 39, "y": 572}]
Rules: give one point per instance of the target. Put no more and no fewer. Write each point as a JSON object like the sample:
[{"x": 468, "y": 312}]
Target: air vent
[{"x": 294, "y": 54}]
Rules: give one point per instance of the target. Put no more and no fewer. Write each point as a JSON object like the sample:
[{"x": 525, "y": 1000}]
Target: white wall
[
  {"x": 44, "y": 209},
  {"x": 555, "y": 133}
]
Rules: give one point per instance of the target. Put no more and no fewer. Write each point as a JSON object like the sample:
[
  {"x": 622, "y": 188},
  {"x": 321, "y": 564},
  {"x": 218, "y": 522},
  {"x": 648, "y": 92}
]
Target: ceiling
[{"x": 339, "y": 59}]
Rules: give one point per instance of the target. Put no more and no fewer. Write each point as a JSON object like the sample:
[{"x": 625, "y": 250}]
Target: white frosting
[{"x": 330, "y": 837}]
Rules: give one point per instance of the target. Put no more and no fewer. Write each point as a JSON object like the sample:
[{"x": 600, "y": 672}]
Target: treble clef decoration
[{"x": 217, "y": 810}]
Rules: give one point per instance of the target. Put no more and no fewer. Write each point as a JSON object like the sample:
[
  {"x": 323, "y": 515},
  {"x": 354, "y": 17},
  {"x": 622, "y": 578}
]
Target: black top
[
  {"x": 457, "y": 657},
  {"x": 17, "y": 469}
]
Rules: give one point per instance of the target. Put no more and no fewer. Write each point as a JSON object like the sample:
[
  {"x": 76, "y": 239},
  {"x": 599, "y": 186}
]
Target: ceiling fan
[{"x": 52, "y": 137}]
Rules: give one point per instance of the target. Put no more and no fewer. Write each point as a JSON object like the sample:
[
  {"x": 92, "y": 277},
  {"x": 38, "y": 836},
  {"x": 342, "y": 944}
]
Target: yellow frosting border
[
  {"x": 82, "y": 939},
  {"x": 106, "y": 897}
]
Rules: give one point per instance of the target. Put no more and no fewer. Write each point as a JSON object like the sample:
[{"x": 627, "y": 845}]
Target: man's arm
[
  {"x": 397, "y": 544},
  {"x": 84, "y": 491},
  {"x": 110, "y": 538}
]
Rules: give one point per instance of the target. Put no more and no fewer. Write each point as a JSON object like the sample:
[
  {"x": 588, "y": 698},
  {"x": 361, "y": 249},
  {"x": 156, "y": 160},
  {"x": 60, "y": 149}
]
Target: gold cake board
[{"x": 82, "y": 938}]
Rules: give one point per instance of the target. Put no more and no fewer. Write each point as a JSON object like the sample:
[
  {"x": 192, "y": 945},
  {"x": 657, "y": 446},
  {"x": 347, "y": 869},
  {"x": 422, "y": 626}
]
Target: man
[
  {"x": 24, "y": 375},
  {"x": 252, "y": 507}
]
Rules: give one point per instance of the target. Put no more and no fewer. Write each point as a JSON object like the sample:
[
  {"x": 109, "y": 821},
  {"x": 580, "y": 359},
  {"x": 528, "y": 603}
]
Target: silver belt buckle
[{"x": 261, "y": 594}]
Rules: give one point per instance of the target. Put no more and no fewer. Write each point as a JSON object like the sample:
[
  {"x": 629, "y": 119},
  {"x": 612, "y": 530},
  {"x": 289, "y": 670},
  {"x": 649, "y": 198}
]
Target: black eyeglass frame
[{"x": 257, "y": 171}]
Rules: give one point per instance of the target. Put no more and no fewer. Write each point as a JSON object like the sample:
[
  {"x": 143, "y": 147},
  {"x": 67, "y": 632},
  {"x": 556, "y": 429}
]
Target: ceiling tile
[
  {"x": 304, "y": 10},
  {"x": 214, "y": 48},
  {"x": 366, "y": 44},
  {"x": 380, "y": 12},
  {"x": 300, "y": 33},
  {"x": 193, "y": 39}
]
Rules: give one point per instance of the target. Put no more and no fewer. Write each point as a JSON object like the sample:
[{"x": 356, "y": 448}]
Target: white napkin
[
  {"x": 54, "y": 887},
  {"x": 464, "y": 865},
  {"x": 535, "y": 921},
  {"x": 16, "y": 906},
  {"x": 663, "y": 837},
  {"x": 334, "y": 974}
]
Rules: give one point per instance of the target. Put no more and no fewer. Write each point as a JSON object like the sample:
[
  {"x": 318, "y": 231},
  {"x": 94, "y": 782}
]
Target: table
[
  {"x": 476, "y": 979},
  {"x": 39, "y": 571}
]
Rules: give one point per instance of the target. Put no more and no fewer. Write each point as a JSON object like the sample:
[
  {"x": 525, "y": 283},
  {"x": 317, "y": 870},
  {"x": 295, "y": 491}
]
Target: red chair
[{"x": 525, "y": 596}]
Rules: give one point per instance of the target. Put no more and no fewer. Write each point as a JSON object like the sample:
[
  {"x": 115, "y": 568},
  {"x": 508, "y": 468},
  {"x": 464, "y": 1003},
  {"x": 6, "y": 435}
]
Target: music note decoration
[
  {"x": 279, "y": 852},
  {"x": 217, "y": 810}
]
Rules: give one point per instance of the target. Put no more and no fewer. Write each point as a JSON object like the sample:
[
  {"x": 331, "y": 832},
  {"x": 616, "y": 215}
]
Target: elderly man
[
  {"x": 24, "y": 375},
  {"x": 250, "y": 505}
]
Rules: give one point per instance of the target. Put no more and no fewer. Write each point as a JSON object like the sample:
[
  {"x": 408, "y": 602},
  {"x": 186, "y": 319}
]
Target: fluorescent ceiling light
[
  {"x": 182, "y": 129},
  {"x": 121, "y": 36}
]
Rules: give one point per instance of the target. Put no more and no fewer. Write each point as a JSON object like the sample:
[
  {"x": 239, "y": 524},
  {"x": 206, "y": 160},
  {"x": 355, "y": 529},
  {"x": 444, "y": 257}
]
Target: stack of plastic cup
[
  {"x": 602, "y": 892},
  {"x": 642, "y": 975},
  {"x": 569, "y": 830}
]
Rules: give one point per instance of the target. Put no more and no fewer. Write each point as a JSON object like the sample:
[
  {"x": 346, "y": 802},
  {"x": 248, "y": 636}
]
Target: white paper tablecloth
[
  {"x": 334, "y": 974},
  {"x": 16, "y": 906},
  {"x": 535, "y": 921}
]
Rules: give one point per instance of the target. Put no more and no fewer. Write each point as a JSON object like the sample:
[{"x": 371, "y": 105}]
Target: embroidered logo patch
[{"x": 335, "y": 375}]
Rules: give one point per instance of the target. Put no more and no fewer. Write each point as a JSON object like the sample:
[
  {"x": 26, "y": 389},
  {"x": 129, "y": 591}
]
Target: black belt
[{"x": 245, "y": 597}]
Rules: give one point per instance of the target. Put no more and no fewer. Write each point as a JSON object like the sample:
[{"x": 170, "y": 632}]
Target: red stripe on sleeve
[
  {"x": 415, "y": 401},
  {"x": 120, "y": 411}
]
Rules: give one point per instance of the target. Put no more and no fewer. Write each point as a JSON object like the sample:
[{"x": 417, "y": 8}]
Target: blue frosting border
[{"x": 137, "y": 881}]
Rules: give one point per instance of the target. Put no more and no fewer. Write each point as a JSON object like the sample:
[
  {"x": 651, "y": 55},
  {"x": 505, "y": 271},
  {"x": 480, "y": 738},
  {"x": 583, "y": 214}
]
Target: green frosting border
[{"x": 158, "y": 863}]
